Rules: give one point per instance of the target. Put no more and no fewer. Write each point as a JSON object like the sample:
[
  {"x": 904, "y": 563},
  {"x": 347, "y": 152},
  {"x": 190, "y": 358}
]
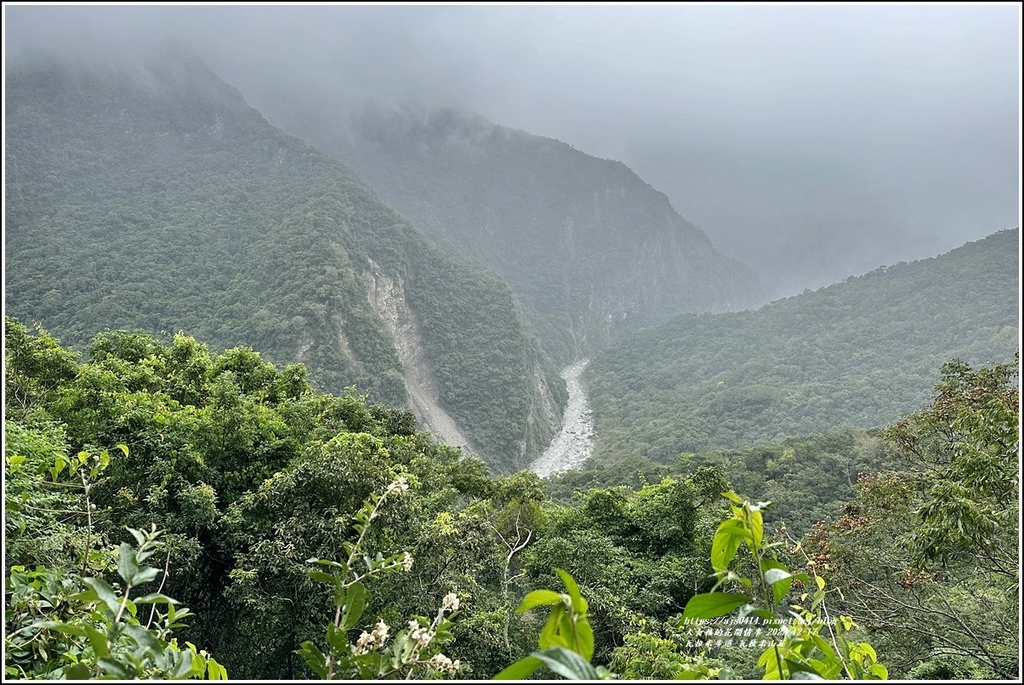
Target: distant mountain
[
  {"x": 854, "y": 354},
  {"x": 589, "y": 248},
  {"x": 153, "y": 197}
]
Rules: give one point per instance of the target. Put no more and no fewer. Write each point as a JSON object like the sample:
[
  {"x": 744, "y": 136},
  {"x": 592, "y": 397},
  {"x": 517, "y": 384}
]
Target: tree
[{"x": 928, "y": 556}]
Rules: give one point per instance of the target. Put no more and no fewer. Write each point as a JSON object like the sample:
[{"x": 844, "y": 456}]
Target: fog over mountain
[{"x": 810, "y": 142}]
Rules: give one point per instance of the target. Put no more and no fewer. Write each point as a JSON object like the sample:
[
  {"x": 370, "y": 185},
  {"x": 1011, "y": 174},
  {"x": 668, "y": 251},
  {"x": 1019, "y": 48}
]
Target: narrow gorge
[{"x": 573, "y": 444}]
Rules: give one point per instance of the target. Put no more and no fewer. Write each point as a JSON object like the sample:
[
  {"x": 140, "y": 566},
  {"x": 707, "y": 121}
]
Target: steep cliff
[
  {"x": 589, "y": 248},
  {"x": 153, "y": 197}
]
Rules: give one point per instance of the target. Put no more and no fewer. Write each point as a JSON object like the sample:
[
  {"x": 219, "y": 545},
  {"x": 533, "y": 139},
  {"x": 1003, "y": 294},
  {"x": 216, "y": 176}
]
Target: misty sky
[{"x": 810, "y": 142}]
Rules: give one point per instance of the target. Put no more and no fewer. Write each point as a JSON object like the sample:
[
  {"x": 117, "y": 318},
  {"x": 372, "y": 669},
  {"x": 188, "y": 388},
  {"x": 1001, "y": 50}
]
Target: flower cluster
[
  {"x": 450, "y": 602},
  {"x": 399, "y": 485},
  {"x": 372, "y": 640},
  {"x": 422, "y": 636},
  {"x": 407, "y": 562},
  {"x": 439, "y": 662}
]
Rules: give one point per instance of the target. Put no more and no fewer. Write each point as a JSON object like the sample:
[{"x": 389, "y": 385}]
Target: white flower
[
  {"x": 381, "y": 631},
  {"x": 450, "y": 602},
  {"x": 399, "y": 485},
  {"x": 370, "y": 641},
  {"x": 365, "y": 643},
  {"x": 443, "y": 664},
  {"x": 407, "y": 562},
  {"x": 422, "y": 637}
]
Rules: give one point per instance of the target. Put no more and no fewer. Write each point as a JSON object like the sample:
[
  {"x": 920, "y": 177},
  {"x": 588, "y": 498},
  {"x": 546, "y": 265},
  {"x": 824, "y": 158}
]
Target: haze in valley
[{"x": 811, "y": 143}]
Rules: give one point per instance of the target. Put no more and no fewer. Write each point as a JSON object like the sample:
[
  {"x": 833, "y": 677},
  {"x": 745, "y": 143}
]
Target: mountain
[
  {"x": 589, "y": 248},
  {"x": 854, "y": 354},
  {"x": 153, "y": 197}
]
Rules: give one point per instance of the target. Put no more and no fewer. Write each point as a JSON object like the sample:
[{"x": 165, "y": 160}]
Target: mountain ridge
[
  {"x": 854, "y": 354},
  {"x": 159, "y": 200},
  {"x": 591, "y": 250}
]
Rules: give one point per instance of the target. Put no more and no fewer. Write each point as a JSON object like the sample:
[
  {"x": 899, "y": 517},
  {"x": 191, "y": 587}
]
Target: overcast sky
[{"x": 811, "y": 142}]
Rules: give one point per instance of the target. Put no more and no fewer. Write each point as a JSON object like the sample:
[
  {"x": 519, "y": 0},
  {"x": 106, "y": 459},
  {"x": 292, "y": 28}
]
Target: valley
[
  {"x": 573, "y": 444},
  {"x": 390, "y": 389}
]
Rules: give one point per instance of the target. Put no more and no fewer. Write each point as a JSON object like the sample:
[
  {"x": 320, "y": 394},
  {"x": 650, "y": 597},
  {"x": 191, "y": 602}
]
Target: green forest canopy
[
  {"x": 251, "y": 473},
  {"x": 854, "y": 354}
]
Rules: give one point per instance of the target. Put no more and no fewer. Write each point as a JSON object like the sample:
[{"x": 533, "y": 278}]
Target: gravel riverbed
[{"x": 575, "y": 441}]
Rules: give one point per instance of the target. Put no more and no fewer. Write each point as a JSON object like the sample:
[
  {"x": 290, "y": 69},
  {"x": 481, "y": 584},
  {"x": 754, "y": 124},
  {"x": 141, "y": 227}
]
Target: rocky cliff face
[
  {"x": 387, "y": 297},
  {"x": 589, "y": 248}
]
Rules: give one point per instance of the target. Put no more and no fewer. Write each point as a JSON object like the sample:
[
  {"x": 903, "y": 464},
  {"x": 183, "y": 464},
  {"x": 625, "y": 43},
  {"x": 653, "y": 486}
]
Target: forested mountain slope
[
  {"x": 588, "y": 247},
  {"x": 854, "y": 354},
  {"x": 153, "y": 197}
]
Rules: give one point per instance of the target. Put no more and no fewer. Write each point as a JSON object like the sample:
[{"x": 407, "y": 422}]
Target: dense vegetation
[
  {"x": 808, "y": 477},
  {"x": 588, "y": 247},
  {"x": 855, "y": 354},
  {"x": 285, "y": 510},
  {"x": 156, "y": 199}
]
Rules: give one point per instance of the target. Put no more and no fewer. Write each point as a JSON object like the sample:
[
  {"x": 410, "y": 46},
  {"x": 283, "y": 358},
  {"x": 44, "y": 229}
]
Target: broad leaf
[
  {"x": 578, "y": 603},
  {"x": 780, "y": 579},
  {"x": 726, "y": 542},
  {"x": 567, "y": 664},
  {"x": 314, "y": 658},
  {"x": 77, "y": 672},
  {"x": 127, "y": 564},
  {"x": 101, "y": 592},
  {"x": 355, "y": 603},
  {"x": 586, "y": 637},
  {"x": 549, "y": 636},
  {"x": 713, "y": 604},
  {"x": 539, "y": 598},
  {"x": 520, "y": 669}
]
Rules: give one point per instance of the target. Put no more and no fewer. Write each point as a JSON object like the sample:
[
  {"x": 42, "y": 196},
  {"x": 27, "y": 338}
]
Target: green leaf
[
  {"x": 198, "y": 663},
  {"x": 757, "y": 525},
  {"x": 100, "y": 592},
  {"x": 182, "y": 667},
  {"x": 145, "y": 639},
  {"x": 322, "y": 577},
  {"x": 779, "y": 578},
  {"x": 520, "y": 669},
  {"x": 78, "y": 672},
  {"x": 585, "y": 636},
  {"x": 337, "y": 639},
  {"x": 214, "y": 670},
  {"x": 127, "y": 564},
  {"x": 314, "y": 658},
  {"x": 539, "y": 598},
  {"x": 65, "y": 628},
  {"x": 146, "y": 574},
  {"x": 355, "y": 603},
  {"x": 727, "y": 541},
  {"x": 549, "y": 636},
  {"x": 114, "y": 668},
  {"x": 137, "y": 534},
  {"x": 156, "y": 598},
  {"x": 879, "y": 671},
  {"x": 566, "y": 663},
  {"x": 733, "y": 497},
  {"x": 829, "y": 670},
  {"x": 98, "y": 641},
  {"x": 713, "y": 604},
  {"x": 578, "y": 603}
]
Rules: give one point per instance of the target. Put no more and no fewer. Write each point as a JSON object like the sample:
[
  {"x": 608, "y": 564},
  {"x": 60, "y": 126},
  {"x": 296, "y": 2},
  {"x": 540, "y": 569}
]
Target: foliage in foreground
[
  {"x": 61, "y": 623},
  {"x": 255, "y": 478}
]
